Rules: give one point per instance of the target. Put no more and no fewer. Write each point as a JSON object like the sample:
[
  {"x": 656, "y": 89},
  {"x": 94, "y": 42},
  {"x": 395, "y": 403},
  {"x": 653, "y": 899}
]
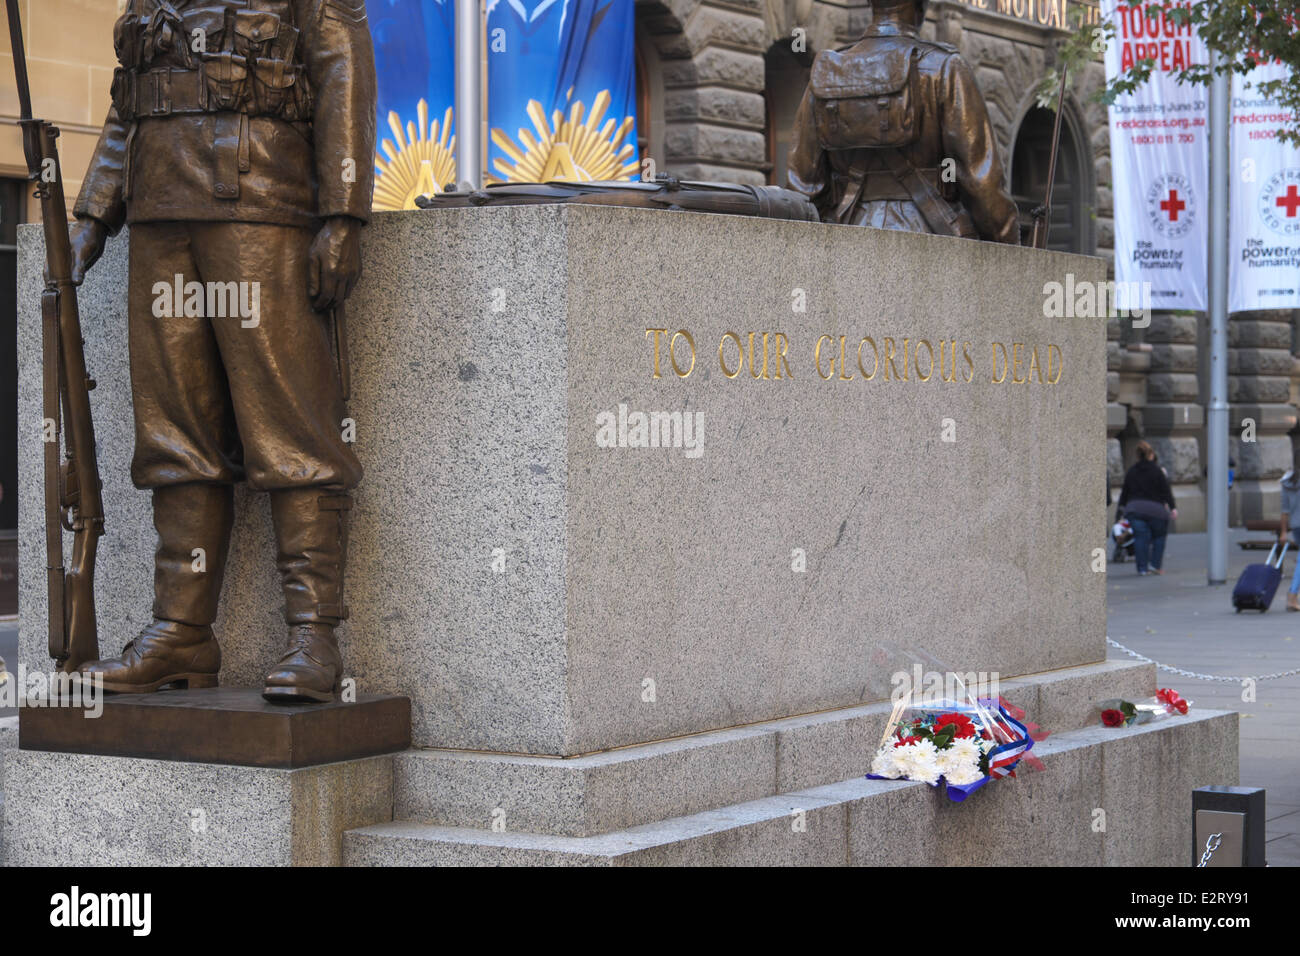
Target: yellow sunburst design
[
  {"x": 567, "y": 149},
  {"x": 418, "y": 165}
]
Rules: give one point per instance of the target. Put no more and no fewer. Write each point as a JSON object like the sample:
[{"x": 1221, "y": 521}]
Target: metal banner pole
[
  {"x": 469, "y": 96},
  {"x": 1216, "y": 443}
]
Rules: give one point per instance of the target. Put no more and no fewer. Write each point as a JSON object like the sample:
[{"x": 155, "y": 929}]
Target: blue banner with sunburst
[
  {"x": 417, "y": 88},
  {"x": 561, "y": 83},
  {"x": 561, "y": 89}
]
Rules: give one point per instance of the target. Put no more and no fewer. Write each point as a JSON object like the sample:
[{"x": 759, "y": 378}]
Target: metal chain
[
  {"x": 1211, "y": 845},
  {"x": 1193, "y": 674}
]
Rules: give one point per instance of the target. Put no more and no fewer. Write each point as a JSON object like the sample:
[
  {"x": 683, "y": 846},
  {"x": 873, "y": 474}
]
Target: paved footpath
[{"x": 1177, "y": 619}]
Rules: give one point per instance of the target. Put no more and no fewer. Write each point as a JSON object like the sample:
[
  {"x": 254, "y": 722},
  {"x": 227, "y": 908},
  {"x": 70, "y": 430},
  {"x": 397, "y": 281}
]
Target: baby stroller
[{"x": 1122, "y": 532}]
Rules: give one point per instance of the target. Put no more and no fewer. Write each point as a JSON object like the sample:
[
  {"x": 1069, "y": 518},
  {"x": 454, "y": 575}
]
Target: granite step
[
  {"x": 8, "y": 741},
  {"x": 614, "y": 790},
  {"x": 1106, "y": 797}
]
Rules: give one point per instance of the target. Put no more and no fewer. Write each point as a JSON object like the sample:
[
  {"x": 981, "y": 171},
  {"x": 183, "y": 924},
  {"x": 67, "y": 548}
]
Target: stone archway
[{"x": 1073, "y": 223}]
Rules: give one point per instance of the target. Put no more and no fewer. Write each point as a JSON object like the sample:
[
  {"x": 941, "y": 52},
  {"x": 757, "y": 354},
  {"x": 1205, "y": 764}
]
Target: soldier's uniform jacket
[
  {"x": 237, "y": 111},
  {"x": 883, "y": 114}
]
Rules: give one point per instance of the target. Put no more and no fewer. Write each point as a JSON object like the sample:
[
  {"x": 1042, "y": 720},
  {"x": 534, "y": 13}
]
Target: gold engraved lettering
[
  {"x": 657, "y": 333},
  {"x": 889, "y": 358},
  {"x": 875, "y": 366},
  {"x": 764, "y": 372},
  {"x": 1060, "y": 364},
  {"x": 916, "y": 357},
  {"x": 943, "y": 372},
  {"x": 999, "y": 379},
  {"x": 779, "y": 358},
  {"x": 740, "y": 354},
  {"x": 672, "y": 352},
  {"x": 817, "y": 358}
]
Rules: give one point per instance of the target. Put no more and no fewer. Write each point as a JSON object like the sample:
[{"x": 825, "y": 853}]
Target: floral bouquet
[
  {"x": 963, "y": 744},
  {"x": 1123, "y": 713}
]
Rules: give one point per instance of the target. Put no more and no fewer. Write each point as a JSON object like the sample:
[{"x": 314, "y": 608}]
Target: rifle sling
[{"x": 939, "y": 214}]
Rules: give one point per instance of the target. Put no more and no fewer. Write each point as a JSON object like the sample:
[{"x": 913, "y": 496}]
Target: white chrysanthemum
[
  {"x": 969, "y": 773},
  {"x": 918, "y": 761},
  {"x": 960, "y": 762},
  {"x": 966, "y": 747},
  {"x": 884, "y": 765}
]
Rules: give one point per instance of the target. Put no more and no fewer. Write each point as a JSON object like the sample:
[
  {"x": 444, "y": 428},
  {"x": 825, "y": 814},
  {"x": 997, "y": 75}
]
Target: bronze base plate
[{"x": 230, "y": 725}]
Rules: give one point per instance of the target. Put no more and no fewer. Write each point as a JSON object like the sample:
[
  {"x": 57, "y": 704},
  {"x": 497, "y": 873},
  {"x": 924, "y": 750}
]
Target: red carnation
[
  {"x": 1112, "y": 718},
  {"x": 907, "y": 740},
  {"x": 960, "y": 723}
]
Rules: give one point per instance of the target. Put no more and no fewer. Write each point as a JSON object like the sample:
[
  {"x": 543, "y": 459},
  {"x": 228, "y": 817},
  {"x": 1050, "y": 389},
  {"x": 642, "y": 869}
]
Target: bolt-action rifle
[
  {"x": 73, "y": 501},
  {"x": 1042, "y": 214}
]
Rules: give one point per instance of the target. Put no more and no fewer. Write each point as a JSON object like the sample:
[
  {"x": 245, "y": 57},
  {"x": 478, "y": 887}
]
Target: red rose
[
  {"x": 1181, "y": 705},
  {"x": 960, "y": 723},
  {"x": 1112, "y": 718}
]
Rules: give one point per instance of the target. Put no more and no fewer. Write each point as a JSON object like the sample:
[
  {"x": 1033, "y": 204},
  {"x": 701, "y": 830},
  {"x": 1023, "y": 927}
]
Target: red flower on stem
[
  {"x": 1172, "y": 701},
  {"x": 1112, "y": 718}
]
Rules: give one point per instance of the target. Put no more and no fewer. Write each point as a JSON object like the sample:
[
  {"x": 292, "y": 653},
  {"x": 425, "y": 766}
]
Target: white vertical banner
[
  {"x": 1264, "y": 236},
  {"x": 1159, "y": 160}
]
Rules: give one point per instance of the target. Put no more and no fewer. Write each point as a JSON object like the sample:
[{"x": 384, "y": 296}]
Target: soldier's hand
[
  {"x": 334, "y": 263},
  {"x": 88, "y": 237}
]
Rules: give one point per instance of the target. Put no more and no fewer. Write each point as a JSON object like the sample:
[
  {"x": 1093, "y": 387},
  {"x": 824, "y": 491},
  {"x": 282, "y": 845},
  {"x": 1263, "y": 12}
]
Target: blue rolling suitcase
[{"x": 1258, "y": 583}]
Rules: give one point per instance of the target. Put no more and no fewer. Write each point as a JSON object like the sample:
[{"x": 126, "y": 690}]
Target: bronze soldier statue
[
  {"x": 882, "y": 121},
  {"x": 239, "y": 149}
]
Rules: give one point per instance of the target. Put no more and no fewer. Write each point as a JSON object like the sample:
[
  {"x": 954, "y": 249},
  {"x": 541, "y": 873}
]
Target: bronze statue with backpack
[{"x": 893, "y": 133}]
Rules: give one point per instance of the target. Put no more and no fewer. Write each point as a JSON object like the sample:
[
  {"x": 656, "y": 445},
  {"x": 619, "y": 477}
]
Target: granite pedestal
[
  {"x": 535, "y": 592},
  {"x": 870, "y": 447}
]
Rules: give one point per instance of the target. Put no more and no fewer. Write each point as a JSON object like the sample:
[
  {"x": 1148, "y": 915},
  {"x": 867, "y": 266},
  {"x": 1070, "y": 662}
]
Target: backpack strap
[
  {"x": 939, "y": 214},
  {"x": 857, "y": 174}
]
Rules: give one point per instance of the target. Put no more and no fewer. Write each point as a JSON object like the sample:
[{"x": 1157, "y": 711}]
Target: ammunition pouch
[{"x": 248, "y": 64}]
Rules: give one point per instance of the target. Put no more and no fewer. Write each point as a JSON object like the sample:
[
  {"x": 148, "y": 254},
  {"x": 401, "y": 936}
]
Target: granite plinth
[
  {"x": 230, "y": 725},
  {"x": 1107, "y": 797},
  {"x": 633, "y": 786},
  {"x": 88, "y": 810},
  {"x": 535, "y": 592}
]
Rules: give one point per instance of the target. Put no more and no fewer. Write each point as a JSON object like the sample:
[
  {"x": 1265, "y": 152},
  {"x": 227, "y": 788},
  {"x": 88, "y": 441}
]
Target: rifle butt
[{"x": 82, "y": 631}]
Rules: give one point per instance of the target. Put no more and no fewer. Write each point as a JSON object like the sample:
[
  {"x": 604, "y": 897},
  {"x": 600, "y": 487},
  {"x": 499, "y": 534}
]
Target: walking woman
[{"x": 1148, "y": 504}]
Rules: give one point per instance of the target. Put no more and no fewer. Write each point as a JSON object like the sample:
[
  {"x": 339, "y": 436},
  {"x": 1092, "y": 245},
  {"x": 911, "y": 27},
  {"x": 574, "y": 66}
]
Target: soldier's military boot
[
  {"x": 193, "y": 523},
  {"x": 311, "y": 531}
]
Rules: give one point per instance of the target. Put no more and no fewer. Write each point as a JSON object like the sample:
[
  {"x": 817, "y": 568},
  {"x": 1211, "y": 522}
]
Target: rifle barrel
[{"x": 20, "y": 59}]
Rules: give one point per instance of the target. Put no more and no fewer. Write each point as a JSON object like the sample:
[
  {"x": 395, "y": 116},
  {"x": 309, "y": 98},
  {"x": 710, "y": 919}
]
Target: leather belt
[
  {"x": 881, "y": 185},
  {"x": 166, "y": 92}
]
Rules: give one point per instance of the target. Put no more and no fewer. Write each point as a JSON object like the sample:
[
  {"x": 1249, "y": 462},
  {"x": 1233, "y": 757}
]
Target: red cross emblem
[
  {"x": 1291, "y": 201},
  {"x": 1173, "y": 205}
]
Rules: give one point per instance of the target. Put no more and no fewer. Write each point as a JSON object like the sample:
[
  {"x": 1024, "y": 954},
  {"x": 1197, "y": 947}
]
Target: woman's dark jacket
[{"x": 1146, "y": 491}]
